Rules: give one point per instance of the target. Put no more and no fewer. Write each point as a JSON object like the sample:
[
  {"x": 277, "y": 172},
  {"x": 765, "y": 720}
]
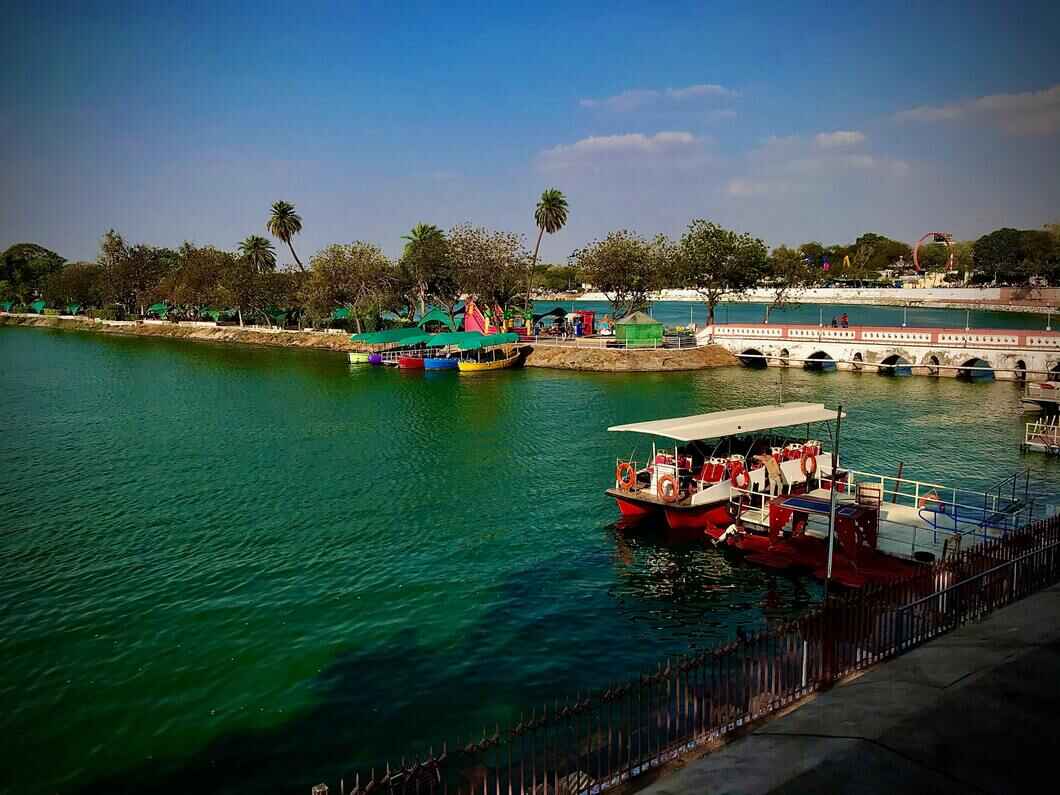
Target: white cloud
[
  {"x": 700, "y": 90},
  {"x": 787, "y": 165},
  {"x": 666, "y": 145},
  {"x": 1026, "y": 113},
  {"x": 839, "y": 138},
  {"x": 635, "y": 98}
]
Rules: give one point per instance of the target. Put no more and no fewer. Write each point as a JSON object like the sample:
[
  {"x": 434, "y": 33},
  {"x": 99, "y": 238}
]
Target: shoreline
[{"x": 544, "y": 356}]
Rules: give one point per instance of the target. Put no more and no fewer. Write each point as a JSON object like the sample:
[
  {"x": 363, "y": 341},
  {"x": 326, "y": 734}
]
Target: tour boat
[
  {"x": 735, "y": 478},
  {"x": 409, "y": 362},
  {"x": 440, "y": 363},
  {"x": 495, "y": 359}
]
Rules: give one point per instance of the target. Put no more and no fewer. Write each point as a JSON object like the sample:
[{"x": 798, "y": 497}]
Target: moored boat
[
  {"x": 740, "y": 479},
  {"x": 408, "y": 362},
  {"x": 358, "y": 357},
  {"x": 440, "y": 363},
  {"x": 492, "y": 352}
]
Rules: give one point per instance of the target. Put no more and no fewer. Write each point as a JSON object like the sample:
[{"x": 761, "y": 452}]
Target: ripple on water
[{"x": 253, "y": 560}]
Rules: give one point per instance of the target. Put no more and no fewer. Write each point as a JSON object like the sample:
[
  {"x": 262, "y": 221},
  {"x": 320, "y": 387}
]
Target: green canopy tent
[
  {"x": 217, "y": 314},
  {"x": 404, "y": 336},
  {"x": 464, "y": 340},
  {"x": 159, "y": 310},
  {"x": 6, "y": 305},
  {"x": 277, "y": 316},
  {"x": 73, "y": 309},
  {"x": 487, "y": 341},
  {"x": 340, "y": 313},
  {"x": 639, "y": 330},
  {"x": 438, "y": 316},
  {"x": 37, "y": 307}
]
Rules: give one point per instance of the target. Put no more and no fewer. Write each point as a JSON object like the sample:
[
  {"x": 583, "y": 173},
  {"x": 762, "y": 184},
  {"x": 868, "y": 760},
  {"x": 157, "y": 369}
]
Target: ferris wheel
[{"x": 938, "y": 237}]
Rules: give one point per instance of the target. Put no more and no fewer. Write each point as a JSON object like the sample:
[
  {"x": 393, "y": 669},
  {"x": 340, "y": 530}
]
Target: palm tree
[
  {"x": 259, "y": 253},
  {"x": 285, "y": 223},
  {"x": 550, "y": 215},
  {"x": 422, "y": 233},
  {"x": 420, "y": 236}
]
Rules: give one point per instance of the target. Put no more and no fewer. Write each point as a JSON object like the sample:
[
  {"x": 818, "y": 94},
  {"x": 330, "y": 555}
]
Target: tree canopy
[
  {"x": 717, "y": 262},
  {"x": 625, "y": 267}
]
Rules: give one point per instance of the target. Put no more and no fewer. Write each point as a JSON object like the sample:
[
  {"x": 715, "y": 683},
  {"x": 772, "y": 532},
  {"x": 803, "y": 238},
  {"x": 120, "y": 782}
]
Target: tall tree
[
  {"x": 428, "y": 267},
  {"x": 132, "y": 274},
  {"x": 25, "y": 267},
  {"x": 787, "y": 272},
  {"x": 259, "y": 252},
  {"x": 352, "y": 276},
  {"x": 77, "y": 283},
  {"x": 625, "y": 267},
  {"x": 284, "y": 223},
  {"x": 998, "y": 255},
  {"x": 488, "y": 265},
  {"x": 717, "y": 262},
  {"x": 550, "y": 215}
]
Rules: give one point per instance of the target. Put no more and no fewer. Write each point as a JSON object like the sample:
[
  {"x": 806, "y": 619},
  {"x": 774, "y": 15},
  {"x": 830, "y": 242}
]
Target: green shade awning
[
  {"x": 340, "y": 313},
  {"x": 6, "y": 305},
  {"x": 406, "y": 336},
  {"x": 489, "y": 341},
  {"x": 73, "y": 309},
  {"x": 37, "y": 306},
  {"x": 159, "y": 309},
  {"x": 461, "y": 339},
  {"x": 438, "y": 316}
]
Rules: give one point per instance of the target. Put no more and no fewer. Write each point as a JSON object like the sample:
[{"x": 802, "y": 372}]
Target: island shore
[{"x": 551, "y": 356}]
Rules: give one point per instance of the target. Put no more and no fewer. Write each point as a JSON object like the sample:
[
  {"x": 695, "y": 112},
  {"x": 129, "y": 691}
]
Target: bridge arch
[
  {"x": 857, "y": 360},
  {"x": 895, "y": 365},
  {"x": 931, "y": 362},
  {"x": 753, "y": 358},
  {"x": 819, "y": 362},
  {"x": 976, "y": 369}
]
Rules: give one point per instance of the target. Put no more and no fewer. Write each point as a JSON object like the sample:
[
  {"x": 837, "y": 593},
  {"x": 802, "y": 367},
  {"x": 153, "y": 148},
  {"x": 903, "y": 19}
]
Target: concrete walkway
[{"x": 974, "y": 711}]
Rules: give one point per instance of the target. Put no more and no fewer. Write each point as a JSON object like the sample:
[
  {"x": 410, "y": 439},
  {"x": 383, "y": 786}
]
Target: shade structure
[
  {"x": 436, "y": 315},
  {"x": 406, "y": 336},
  {"x": 459, "y": 339},
  {"x": 160, "y": 309},
  {"x": 718, "y": 424},
  {"x": 37, "y": 307},
  {"x": 340, "y": 313},
  {"x": 488, "y": 341},
  {"x": 639, "y": 330}
]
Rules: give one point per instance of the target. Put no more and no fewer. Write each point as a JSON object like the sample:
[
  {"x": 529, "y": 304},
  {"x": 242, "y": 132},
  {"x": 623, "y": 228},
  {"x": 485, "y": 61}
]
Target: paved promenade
[{"x": 972, "y": 712}]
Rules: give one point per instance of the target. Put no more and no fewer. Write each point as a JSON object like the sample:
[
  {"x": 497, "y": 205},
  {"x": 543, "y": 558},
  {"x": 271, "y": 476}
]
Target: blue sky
[{"x": 184, "y": 121}]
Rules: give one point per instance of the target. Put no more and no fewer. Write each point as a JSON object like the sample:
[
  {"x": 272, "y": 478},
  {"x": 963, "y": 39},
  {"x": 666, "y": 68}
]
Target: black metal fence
[{"x": 594, "y": 744}]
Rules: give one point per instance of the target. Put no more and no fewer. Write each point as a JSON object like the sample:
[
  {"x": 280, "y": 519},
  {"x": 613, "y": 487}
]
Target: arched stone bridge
[{"x": 1011, "y": 354}]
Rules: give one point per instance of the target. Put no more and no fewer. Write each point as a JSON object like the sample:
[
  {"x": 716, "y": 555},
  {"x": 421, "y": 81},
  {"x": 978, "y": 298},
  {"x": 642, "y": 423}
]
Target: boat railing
[{"x": 1043, "y": 434}]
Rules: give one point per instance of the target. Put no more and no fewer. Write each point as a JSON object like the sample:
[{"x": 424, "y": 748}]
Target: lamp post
[
  {"x": 831, "y": 500},
  {"x": 967, "y": 319},
  {"x": 1049, "y": 320},
  {"x": 905, "y": 309}
]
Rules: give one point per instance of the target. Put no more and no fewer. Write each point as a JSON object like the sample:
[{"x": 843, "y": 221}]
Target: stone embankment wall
[
  {"x": 194, "y": 332},
  {"x": 616, "y": 361}
]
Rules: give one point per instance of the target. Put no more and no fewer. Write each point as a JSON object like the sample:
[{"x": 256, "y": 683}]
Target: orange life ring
[
  {"x": 660, "y": 489},
  {"x": 736, "y": 478},
  {"x": 808, "y": 470},
  {"x": 626, "y": 475},
  {"x": 931, "y": 496}
]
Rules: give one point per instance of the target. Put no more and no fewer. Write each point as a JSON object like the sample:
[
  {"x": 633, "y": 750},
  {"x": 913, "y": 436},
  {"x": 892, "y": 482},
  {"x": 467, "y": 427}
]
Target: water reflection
[{"x": 697, "y": 592}]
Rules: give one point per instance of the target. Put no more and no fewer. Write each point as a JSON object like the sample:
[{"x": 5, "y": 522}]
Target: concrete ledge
[{"x": 973, "y": 711}]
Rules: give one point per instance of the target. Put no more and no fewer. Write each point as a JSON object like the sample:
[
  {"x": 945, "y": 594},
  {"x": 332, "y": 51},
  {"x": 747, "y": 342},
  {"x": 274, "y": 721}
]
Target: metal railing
[{"x": 597, "y": 742}]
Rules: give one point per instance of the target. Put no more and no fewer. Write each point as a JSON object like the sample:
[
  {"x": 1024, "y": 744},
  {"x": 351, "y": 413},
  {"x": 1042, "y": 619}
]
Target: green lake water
[{"x": 229, "y": 569}]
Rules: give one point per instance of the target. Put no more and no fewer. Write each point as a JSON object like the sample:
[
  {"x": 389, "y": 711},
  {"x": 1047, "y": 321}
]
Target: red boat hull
[
  {"x": 632, "y": 509},
  {"x": 410, "y": 362},
  {"x": 709, "y": 516}
]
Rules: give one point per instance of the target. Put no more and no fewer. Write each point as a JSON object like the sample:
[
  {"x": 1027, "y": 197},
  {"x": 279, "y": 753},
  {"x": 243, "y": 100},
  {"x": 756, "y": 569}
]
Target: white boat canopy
[{"x": 718, "y": 424}]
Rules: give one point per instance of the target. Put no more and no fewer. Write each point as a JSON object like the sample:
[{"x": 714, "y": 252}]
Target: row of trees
[{"x": 439, "y": 267}]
